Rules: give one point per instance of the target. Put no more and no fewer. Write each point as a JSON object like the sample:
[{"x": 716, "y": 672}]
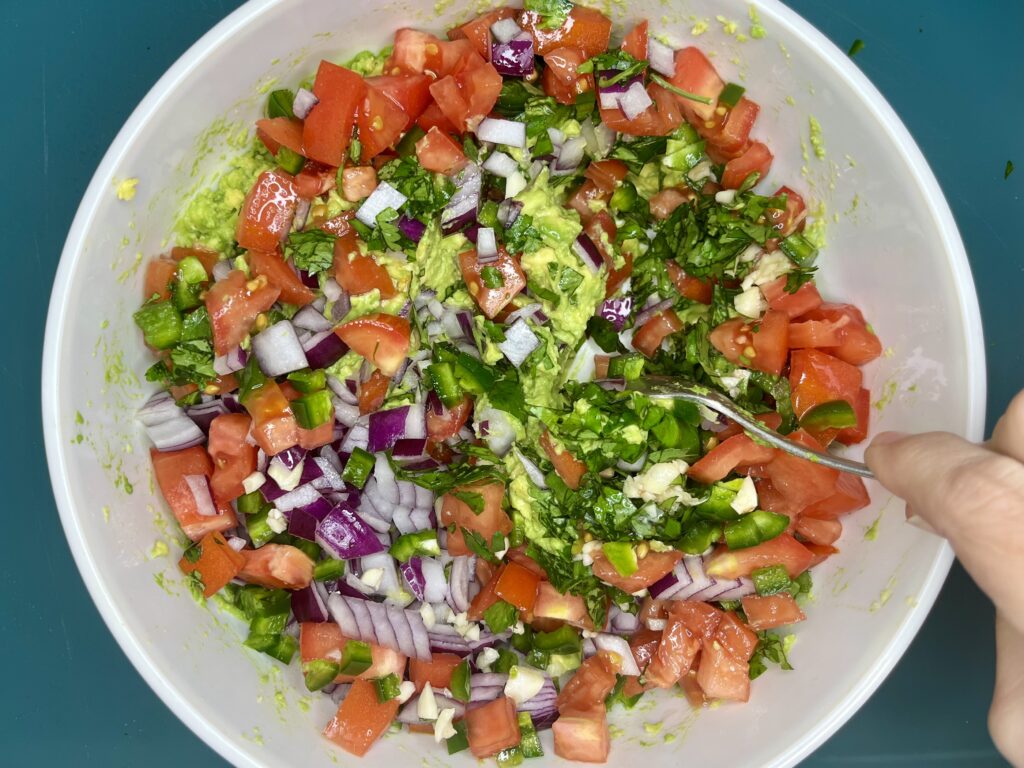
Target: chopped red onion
[
  {"x": 414, "y": 229},
  {"x": 412, "y": 572},
  {"x": 532, "y": 470},
  {"x": 635, "y": 101},
  {"x": 234, "y": 360},
  {"x": 514, "y": 58},
  {"x": 302, "y": 496},
  {"x": 661, "y": 57},
  {"x": 278, "y": 349},
  {"x": 358, "y": 437},
  {"x": 204, "y": 413},
  {"x": 619, "y": 87},
  {"x": 458, "y": 583},
  {"x": 588, "y": 253},
  {"x": 345, "y": 535},
  {"x": 199, "y": 486},
  {"x": 303, "y": 102},
  {"x": 616, "y": 311},
  {"x": 499, "y": 131},
  {"x": 324, "y": 349},
  {"x": 651, "y": 311},
  {"x": 462, "y": 208},
  {"x": 609, "y": 100},
  {"x": 332, "y": 290},
  {"x": 308, "y": 605},
  {"x": 310, "y": 319},
  {"x": 383, "y": 197}
]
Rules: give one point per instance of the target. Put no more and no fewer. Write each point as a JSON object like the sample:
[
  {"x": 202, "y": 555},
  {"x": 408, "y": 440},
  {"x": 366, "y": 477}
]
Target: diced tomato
[
  {"x": 433, "y": 117},
  {"x": 478, "y": 31},
  {"x": 585, "y": 28},
  {"x": 616, "y": 277},
  {"x": 418, "y": 52},
  {"x": 568, "y": 467},
  {"x": 209, "y": 259},
  {"x": 336, "y": 225},
  {"x": 771, "y": 611},
  {"x": 674, "y": 655},
  {"x": 820, "y": 553},
  {"x": 696, "y": 75},
  {"x": 590, "y": 684},
  {"x": 380, "y": 121},
  {"x": 859, "y": 345},
  {"x": 689, "y": 287},
  {"x": 850, "y": 495},
  {"x": 635, "y": 43},
  {"x": 315, "y": 179},
  {"x": 437, "y": 152},
  {"x": 518, "y": 586},
  {"x": 234, "y": 459},
  {"x": 325, "y": 641},
  {"x": 381, "y": 339},
  {"x": 281, "y": 276},
  {"x": 735, "y": 451},
  {"x": 701, "y": 619},
  {"x": 277, "y": 566},
  {"x": 318, "y": 437},
  {"x": 607, "y": 174},
  {"x": 361, "y": 718},
  {"x": 492, "y": 300},
  {"x": 267, "y": 212},
  {"x": 357, "y": 272},
  {"x": 372, "y": 392},
  {"x": 730, "y": 138},
  {"x": 217, "y": 564},
  {"x": 762, "y": 345},
  {"x": 862, "y": 409},
  {"x": 159, "y": 275},
  {"x": 469, "y": 94},
  {"x": 651, "y": 567},
  {"x": 171, "y": 468},
  {"x": 273, "y": 425},
  {"x": 772, "y": 420},
  {"x": 561, "y": 80},
  {"x": 721, "y": 675},
  {"x": 583, "y": 736},
  {"x": 801, "y": 482},
  {"x": 814, "y": 334},
  {"x": 492, "y": 727},
  {"x": 277, "y": 132},
  {"x": 491, "y": 520},
  {"x": 649, "y": 336},
  {"x": 486, "y": 597},
  {"x": 446, "y": 422},
  {"x": 791, "y": 219},
  {"x": 782, "y": 550},
  {"x": 233, "y": 305},
  {"x": 552, "y": 604},
  {"x": 820, "y": 531},
  {"x": 580, "y": 200},
  {"x": 661, "y": 118},
  {"x": 756, "y": 159},
  {"x": 358, "y": 183},
  {"x": 327, "y": 129},
  {"x": 437, "y": 671},
  {"x": 644, "y": 644},
  {"x": 664, "y": 203},
  {"x": 739, "y": 639},
  {"x": 805, "y": 299},
  {"x": 816, "y": 377},
  {"x": 410, "y": 92}
]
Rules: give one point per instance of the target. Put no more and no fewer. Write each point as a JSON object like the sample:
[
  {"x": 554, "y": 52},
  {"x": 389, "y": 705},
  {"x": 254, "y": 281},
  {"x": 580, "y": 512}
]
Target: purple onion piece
[
  {"x": 308, "y": 605},
  {"x": 651, "y": 311},
  {"x": 616, "y": 311},
  {"x": 414, "y": 229},
  {"x": 514, "y": 58},
  {"x": 324, "y": 349}
]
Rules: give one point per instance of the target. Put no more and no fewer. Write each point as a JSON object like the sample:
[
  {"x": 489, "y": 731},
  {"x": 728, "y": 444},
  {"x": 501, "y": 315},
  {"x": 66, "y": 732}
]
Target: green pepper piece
[
  {"x": 313, "y": 410},
  {"x": 770, "y": 580},
  {"x": 565, "y": 639},
  {"x": 160, "y": 323},
  {"x": 319, "y": 673},
  {"x": 410, "y": 545},
  {"x": 443, "y": 382},
  {"x": 387, "y": 687},
  {"x": 460, "y": 685},
  {"x": 307, "y": 381},
  {"x": 358, "y": 468},
  {"x": 835, "y": 414},
  {"x": 355, "y": 658},
  {"x": 622, "y": 556}
]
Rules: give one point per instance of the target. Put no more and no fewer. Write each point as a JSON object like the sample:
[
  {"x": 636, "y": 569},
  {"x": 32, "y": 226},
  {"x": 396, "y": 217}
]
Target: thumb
[{"x": 972, "y": 496}]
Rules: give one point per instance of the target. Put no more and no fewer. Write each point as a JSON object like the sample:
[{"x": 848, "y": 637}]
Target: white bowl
[{"x": 897, "y": 254}]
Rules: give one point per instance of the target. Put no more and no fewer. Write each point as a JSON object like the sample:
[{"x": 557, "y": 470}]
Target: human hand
[{"x": 974, "y": 496}]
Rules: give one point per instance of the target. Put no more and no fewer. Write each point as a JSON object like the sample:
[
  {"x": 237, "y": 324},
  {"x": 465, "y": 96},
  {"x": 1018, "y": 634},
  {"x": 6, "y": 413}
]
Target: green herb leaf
[
  {"x": 500, "y": 616},
  {"x": 471, "y": 499},
  {"x": 553, "y": 12},
  {"x": 769, "y": 649},
  {"x": 311, "y": 250},
  {"x": 491, "y": 277},
  {"x": 279, "y": 103},
  {"x": 476, "y": 544},
  {"x": 427, "y": 192}
]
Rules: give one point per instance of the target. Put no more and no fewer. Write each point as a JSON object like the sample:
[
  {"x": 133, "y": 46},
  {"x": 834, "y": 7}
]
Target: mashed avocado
[
  {"x": 541, "y": 376},
  {"x": 558, "y": 227},
  {"x": 367, "y": 63},
  {"x": 210, "y": 217},
  {"x": 521, "y": 494},
  {"x": 437, "y": 263}
]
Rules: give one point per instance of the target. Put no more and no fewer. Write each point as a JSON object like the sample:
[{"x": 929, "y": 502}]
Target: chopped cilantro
[{"x": 311, "y": 250}]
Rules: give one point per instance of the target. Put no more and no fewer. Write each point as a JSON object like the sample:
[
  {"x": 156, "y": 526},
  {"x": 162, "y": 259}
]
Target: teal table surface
[{"x": 952, "y": 70}]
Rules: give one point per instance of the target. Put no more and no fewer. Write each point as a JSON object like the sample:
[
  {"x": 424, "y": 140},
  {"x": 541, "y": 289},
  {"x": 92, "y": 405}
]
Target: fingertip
[{"x": 887, "y": 438}]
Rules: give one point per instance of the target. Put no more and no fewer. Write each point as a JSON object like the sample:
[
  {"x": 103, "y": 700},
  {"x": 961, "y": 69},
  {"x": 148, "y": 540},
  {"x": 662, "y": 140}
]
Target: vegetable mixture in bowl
[{"x": 395, "y": 419}]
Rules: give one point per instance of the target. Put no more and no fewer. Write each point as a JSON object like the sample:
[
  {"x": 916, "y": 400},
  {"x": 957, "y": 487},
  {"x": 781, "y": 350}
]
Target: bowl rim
[{"x": 228, "y": 746}]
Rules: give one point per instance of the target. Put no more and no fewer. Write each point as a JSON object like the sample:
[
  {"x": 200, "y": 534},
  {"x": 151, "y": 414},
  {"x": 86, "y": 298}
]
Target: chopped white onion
[
  {"x": 486, "y": 243},
  {"x": 661, "y": 57},
  {"x": 557, "y": 137},
  {"x": 609, "y": 100},
  {"x": 383, "y": 197},
  {"x": 278, "y": 349},
  {"x": 505, "y": 30},
  {"x": 501, "y": 165},
  {"x": 514, "y": 184},
  {"x": 635, "y": 101},
  {"x": 498, "y": 131},
  {"x": 519, "y": 343},
  {"x": 303, "y": 102},
  {"x": 199, "y": 485},
  {"x": 570, "y": 155}
]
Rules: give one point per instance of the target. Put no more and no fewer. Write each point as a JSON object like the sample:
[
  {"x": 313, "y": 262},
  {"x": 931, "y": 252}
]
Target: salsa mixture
[{"x": 394, "y": 347}]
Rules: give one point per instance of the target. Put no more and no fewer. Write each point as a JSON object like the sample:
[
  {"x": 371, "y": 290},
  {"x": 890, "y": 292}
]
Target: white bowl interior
[{"x": 892, "y": 249}]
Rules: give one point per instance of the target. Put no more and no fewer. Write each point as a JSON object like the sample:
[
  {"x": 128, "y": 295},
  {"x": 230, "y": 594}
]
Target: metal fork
[{"x": 671, "y": 388}]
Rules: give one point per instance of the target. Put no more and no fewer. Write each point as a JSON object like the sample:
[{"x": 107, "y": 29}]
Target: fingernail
[
  {"x": 919, "y": 522},
  {"x": 885, "y": 438}
]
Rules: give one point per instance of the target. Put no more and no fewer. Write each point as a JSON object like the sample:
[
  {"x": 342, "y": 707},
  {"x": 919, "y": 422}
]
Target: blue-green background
[{"x": 74, "y": 72}]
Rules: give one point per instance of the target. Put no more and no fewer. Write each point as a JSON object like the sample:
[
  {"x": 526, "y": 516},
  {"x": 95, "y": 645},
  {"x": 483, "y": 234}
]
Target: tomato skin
[
  {"x": 616, "y": 277},
  {"x": 772, "y": 420},
  {"x": 267, "y": 212},
  {"x": 793, "y": 305},
  {"x": 372, "y": 392},
  {"x": 478, "y": 31},
  {"x": 277, "y": 132},
  {"x": 492, "y": 300},
  {"x": 492, "y": 520},
  {"x": 447, "y": 422},
  {"x": 690, "y": 287},
  {"x": 858, "y": 344},
  {"x": 437, "y": 671},
  {"x": 273, "y": 425},
  {"x": 721, "y": 675},
  {"x": 756, "y": 159},
  {"x": 590, "y": 684},
  {"x": 357, "y": 272},
  {"x": 469, "y": 93},
  {"x": 583, "y": 736},
  {"x": 492, "y": 727},
  {"x": 552, "y": 604},
  {"x": 763, "y": 345},
  {"x": 738, "y": 638},
  {"x": 217, "y": 565},
  {"x": 327, "y": 129},
  {"x": 561, "y": 80},
  {"x": 380, "y": 122},
  {"x": 862, "y": 409},
  {"x": 771, "y": 611},
  {"x": 361, "y": 719},
  {"x": 381, "y": 339},
  {"x": 433, "y": 117},
  {"x": 171, "y": 468},
  {"x": 234, "y": 459},
  {"x": 731, "y": 137},
  {"x": 233, "y": 306},
  {"x": 437, "y": 152},
  {"x": 585, "y": 28},
  {"x": 817, "y": 377},
  {"x": 410, "y": 92},
  {"x": 568, "y": 467},
  {"x": 635, "y": 43},
  {"x": 281, "y": 276},
  {"x": 652, "y": 567},
  {"x": 727, "y": 456},
  {"x": 517, "y": 586},
  {"x": 607, "y": 174},
  {"x": 277, "y": 566},
  {"x": 850, "y": 495},
  {"x": 782, "y": 550},
  {"x": 315, "y": 179},
  {"x": 792, "y": 218},
  {"x": 674, "y": 655},
  {"x": 823, "y": 532},
  {"x": 695, "y": 74},
  {"x": 159, "y": 275},
  {"x": 649, "y": 336}
]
